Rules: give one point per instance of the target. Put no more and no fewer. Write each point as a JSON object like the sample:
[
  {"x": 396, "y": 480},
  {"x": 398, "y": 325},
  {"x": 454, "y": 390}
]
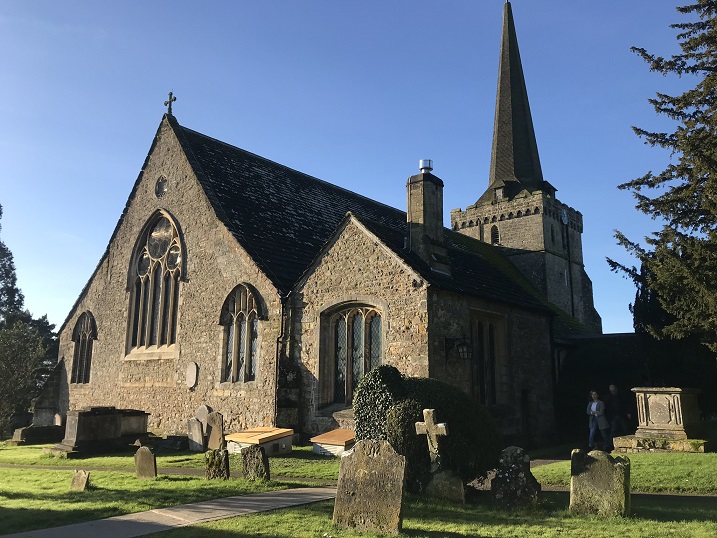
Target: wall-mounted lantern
[{"x": 463, "y": 345}]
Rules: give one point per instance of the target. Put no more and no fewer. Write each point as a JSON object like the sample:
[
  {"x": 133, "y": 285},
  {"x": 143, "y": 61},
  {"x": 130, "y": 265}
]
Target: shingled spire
[{"x": 515, "y": 164}]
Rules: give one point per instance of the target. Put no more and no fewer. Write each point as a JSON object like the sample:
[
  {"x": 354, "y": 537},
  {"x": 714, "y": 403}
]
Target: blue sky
[{"x": 354, "y": 93}]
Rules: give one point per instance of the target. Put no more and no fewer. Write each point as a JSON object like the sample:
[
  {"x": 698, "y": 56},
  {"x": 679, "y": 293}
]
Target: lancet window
[
  {"x": 84, "y": 334},
  {"x": 240, "y": 318},
  {"x": 155, "y": 295}
]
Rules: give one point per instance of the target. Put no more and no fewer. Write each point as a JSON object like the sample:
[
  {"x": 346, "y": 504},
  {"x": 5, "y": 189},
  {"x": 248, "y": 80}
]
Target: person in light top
[{"x": 597, "y": 421}]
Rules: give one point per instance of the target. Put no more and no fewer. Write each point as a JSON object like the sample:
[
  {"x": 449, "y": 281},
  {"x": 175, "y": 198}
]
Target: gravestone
[
  {"x": 369, "y": 493},
  {"x": 514, "y": 485},
  {"x": 443, "y": 484},
  {"x": 201, "y": 415},
  {"x": 145, "y": 463},
  {"x": 217, "y": 464},
  {"x": 599, "y": 484},
  {"x": 255, "y": 463},
  {"x": 195, "y": 435},
  {"x": 80, "y": 480},
  {"x": 215, "y": 431}
]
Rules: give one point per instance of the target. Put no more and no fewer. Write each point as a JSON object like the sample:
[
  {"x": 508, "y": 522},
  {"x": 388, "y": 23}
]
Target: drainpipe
[{"x": 280, "y": 344}]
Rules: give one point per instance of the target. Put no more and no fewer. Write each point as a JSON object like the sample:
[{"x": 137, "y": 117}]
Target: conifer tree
[
  {"x": 679, "y": 263},
  {"x": 11, "y": 299}
]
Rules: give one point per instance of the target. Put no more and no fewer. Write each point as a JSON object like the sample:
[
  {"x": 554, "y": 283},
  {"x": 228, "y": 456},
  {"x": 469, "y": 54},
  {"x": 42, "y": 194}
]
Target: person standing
[
  {"x": 616, "y": 412},
  {"x": 597, "y": 421}
]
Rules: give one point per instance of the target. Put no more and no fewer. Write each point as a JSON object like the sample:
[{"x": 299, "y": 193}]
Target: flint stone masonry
[
  {"x": 145, "y": 463},
  {"x": 369, "y": 494},
  {"x": 217, "y": 464},
  {"x": 214, "y": 264},
  {"x": 255, "y": 463},
  {"x": 513, "y": 484},
  {"x": 599, "y": 484}
]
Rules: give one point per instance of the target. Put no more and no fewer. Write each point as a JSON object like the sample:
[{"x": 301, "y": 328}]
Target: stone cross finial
[
  {"x": 168, "y": 103},
  {"x": 432, "y": 431}
]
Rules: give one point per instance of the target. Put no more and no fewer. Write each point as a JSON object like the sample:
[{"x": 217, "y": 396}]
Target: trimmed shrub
[
  {"x": 472, "y": 445},
  {"x": 401, "y": 433},
  {"x": 377, "y": 391}
]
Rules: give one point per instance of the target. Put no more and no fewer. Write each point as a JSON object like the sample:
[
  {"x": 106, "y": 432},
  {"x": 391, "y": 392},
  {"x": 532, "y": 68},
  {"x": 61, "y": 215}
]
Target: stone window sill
[{"x": 153, "y": 353}]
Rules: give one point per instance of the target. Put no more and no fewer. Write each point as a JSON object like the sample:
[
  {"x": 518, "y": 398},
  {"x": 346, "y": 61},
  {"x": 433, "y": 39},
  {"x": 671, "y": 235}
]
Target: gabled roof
[{"x": 283, "y": 218}]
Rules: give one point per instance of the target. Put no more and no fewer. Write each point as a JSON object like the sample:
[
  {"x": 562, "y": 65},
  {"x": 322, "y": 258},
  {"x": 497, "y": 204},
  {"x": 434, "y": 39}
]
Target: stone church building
[{"x": 233, "y": 281}]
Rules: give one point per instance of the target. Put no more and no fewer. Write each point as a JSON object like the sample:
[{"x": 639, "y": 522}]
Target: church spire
[{"x": 514, "y": 163}]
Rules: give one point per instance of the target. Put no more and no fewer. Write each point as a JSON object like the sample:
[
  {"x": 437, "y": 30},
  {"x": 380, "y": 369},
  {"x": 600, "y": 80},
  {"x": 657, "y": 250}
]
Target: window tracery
[
  {"x": 157, "y": 269},
  {"x": 83, "y": 336},
  {"x": 240, "y": 318}
]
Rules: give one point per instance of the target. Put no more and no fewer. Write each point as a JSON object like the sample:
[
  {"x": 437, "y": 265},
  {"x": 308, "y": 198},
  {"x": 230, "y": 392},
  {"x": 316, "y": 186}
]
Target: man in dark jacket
[{"x": 617, "y": 412}]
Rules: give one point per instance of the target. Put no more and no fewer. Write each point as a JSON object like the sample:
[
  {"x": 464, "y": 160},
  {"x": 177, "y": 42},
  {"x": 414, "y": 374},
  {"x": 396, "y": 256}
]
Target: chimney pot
[{"x": 425, "y": 165}]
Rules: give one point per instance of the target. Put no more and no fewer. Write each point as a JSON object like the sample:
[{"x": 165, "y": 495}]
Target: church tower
[{"x": 519, "y": 211}]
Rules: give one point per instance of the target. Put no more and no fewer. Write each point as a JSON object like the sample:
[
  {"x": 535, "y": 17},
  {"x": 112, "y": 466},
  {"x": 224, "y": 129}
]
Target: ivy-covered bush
[
  {"x": 401, "y": 433},
  {"x": 376, "y": 393},
  {"x": 472, "y": 445}
]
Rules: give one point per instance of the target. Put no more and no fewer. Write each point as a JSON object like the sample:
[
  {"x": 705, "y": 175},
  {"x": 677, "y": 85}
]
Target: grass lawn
[
  {"x": 40, "y": 498},
  {"x": 653, "y": 516}
]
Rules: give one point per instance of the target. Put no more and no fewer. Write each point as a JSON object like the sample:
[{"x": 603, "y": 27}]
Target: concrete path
[{"x": 162, "y": 519}]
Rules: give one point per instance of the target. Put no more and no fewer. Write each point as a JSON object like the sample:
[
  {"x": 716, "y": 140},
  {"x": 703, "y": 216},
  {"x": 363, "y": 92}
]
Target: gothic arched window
[
  {"x": 355, "y": 348},
  {"x": 83, "y": 335},
  {"x": 240, "y": 318},
  {"x": 155, "y": 295}
]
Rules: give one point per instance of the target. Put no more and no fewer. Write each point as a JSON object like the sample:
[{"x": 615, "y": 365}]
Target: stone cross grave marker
[
  {"x": 215, "y": 431},
  {"x": 599, "y": 484},
  {"x": 145, "y": 463},
  {"x": 432, "y": 431},
  {"x": 195, "y": 435},
  {"x": 444, "y": 484},
  {"x": 255, "y": 463},
  {"x": 80, "y": 480},
  {"x": 369, "y": 492}
]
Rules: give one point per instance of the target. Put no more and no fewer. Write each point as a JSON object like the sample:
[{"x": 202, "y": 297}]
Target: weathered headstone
[
  {"x": 215, "y": 431},
  {"x": 217, "y": 464},
  {"x": 145, "y": 463},
  {"x": 514, "y": 485},
  {"x": 599, "y": 484},
  {"x": 195, "y": 435},
  {"x": 201, "y": 414},
  {"x": 444, "y": 484},
  {"x": 369, "y": 493},
  {"x": 80, "y": 480},
  {"x": 255, "y": 463}
]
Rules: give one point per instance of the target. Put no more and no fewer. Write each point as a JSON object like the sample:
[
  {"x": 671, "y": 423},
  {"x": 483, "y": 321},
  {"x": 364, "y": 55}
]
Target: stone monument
[
  {"x": 599, "y": 484},
  {"x": 514, "y": 485},
  {"x": 80, "y": 480},
  {"x": 255, "y": 463},
  {"x": 217, "y": 464},
  {"x": 369, "y": 494},
  {"x": 215, "y": 431},
  {"x": 195, "y": 435},
  {"x": 443, "y": 484},
  {"x": 145, "y": 463}
]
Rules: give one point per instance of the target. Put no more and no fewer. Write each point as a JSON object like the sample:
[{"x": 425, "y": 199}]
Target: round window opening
[{"x": 160, "y": 188}]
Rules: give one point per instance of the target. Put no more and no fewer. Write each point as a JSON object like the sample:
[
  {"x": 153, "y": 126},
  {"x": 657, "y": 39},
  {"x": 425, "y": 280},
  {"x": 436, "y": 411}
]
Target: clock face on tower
[{"x": 564, "y": 217}]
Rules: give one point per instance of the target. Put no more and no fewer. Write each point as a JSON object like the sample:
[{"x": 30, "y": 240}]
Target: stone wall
[
  {"x": 154, "y": 380},
  {"x": 524, "y": 396},
  {"x": 357, "y": 269}
]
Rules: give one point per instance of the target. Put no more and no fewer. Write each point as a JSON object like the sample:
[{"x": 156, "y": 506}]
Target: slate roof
[
  {"x": 283, "y": 218},
  {"x": 515, "y": 162}
]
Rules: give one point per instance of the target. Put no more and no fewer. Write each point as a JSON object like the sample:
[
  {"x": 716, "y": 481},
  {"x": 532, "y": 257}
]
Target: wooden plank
[
  {"x": 259, "y": 435},
  {"x": 339, "y": 437}
]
